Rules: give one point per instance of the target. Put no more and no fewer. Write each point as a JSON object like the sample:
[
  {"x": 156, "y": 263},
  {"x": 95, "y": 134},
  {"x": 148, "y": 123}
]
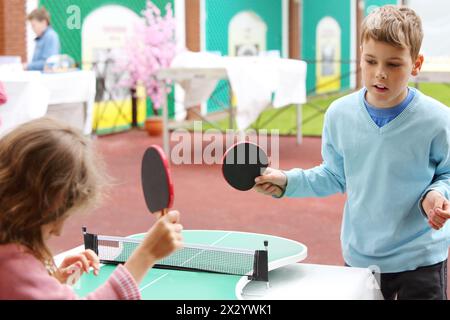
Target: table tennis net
[{"x": 192, "y": 257}]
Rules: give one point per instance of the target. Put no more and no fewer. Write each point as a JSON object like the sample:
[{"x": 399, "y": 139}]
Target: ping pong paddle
[
  {"x": 242, "y": 163},
  {"x": 156, "y": 181}
]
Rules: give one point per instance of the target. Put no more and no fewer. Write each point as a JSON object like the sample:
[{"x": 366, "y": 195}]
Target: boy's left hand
[
  {"x": 437, "y": 209},
  {"x": 77, "y": 263}
]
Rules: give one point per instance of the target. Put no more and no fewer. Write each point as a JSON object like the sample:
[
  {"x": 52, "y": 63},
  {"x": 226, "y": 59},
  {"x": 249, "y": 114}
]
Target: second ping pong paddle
[
  {"x": 242, "y": 163},
  {"x": 156, "y": 180}
]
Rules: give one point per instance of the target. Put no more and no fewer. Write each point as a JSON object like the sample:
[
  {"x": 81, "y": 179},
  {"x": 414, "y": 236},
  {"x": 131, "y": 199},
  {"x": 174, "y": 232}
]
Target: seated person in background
[{"x": 47, "y": 40}]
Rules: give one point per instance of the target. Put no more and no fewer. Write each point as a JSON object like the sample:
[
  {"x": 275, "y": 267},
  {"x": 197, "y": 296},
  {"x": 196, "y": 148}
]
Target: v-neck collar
[{"x": 394, "y": 122}]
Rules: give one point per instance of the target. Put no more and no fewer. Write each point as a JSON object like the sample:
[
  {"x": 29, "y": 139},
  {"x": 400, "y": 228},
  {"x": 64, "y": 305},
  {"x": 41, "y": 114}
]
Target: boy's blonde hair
[
  {"x": 47, "y": 170},
  {"x": 398, "y": 26}
]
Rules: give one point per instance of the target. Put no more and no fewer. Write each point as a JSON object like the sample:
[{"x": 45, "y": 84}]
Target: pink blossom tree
[{"x": 151, "y": 47}]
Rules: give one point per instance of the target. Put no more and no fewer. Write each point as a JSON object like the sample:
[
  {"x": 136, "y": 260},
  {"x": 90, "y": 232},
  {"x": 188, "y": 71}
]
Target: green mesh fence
[{"x": 217, "y": 38}]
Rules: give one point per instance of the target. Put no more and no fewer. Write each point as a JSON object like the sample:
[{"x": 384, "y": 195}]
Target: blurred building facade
[{"x": 13, "y": 28}]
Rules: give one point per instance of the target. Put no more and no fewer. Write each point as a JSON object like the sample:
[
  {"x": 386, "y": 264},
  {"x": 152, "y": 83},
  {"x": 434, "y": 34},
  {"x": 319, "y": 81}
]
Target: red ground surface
[{"x": 207, "y": 202}]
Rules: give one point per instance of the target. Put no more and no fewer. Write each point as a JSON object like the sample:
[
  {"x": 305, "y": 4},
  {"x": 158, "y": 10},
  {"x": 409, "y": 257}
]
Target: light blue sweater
[{"x": 385, "y": 172}]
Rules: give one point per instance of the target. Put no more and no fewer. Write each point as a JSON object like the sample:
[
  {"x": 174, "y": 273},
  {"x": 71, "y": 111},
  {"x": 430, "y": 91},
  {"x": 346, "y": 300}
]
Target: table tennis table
[
  {"x": 288, "y": 279},
  {"x": 192, "y": 285}
]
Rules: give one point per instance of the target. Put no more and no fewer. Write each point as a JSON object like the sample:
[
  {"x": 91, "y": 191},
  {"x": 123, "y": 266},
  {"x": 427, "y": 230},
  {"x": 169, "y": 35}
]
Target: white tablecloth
[
  {"x": 302, "y": 281},
  {"x": 253, "y": 80},
  {"x": 73, "y": 87},
  {"x": 31, "y": 92},
  {"x": 27, "y": 99}
]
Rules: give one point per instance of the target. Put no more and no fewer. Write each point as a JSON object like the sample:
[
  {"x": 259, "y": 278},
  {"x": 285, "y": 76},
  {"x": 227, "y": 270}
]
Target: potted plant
[{"x": 151, "y": 47}]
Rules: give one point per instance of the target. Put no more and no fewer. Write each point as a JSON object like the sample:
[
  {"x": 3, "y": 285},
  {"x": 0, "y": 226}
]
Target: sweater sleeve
[
  {"x": 323, "y": 180},
  {"x": 36, "y": 65},
  {"x": 25, "y": 278},
  {"x": 120, "y": 286},
  {"x": 440, "y": 157}
]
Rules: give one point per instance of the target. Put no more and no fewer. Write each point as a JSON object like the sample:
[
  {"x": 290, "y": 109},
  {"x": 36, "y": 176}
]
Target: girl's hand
[
  {"x": 163, "y": 238},
  {"x": 74, "y": 266}
]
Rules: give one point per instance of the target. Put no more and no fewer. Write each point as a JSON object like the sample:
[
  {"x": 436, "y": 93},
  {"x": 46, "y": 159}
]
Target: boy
[
  {"x": 47, "y": 40},
  {"x": 388, "y": 147}
]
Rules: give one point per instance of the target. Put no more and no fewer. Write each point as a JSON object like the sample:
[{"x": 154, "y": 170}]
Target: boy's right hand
[
  {"x": 436, "y": 207},
  {"x": 272, "y": 182}
]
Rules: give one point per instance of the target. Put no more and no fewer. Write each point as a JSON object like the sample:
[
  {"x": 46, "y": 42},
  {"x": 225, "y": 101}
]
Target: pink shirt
[{"x": 24, "y": 277}]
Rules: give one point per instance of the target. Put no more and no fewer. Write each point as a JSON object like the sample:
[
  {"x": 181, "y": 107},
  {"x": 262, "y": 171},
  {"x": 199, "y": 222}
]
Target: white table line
[{"x": 154, "y": 281}]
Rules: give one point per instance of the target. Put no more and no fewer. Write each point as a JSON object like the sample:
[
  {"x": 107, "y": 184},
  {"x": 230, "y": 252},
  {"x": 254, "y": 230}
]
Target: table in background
[
  {"x": 28, "y": 99},
  {"x": 68, "y": 96},
  {"x": 253, "y": 82},
  {"x": 72, "y": 97}
]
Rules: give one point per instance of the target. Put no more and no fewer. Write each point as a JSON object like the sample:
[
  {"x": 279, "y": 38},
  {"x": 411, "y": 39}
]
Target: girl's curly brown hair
[{"x": 47, "y": 170}]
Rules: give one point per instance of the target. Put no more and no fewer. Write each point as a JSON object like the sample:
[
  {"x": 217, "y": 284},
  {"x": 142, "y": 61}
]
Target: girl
[{"x": 48, "y": 171}]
